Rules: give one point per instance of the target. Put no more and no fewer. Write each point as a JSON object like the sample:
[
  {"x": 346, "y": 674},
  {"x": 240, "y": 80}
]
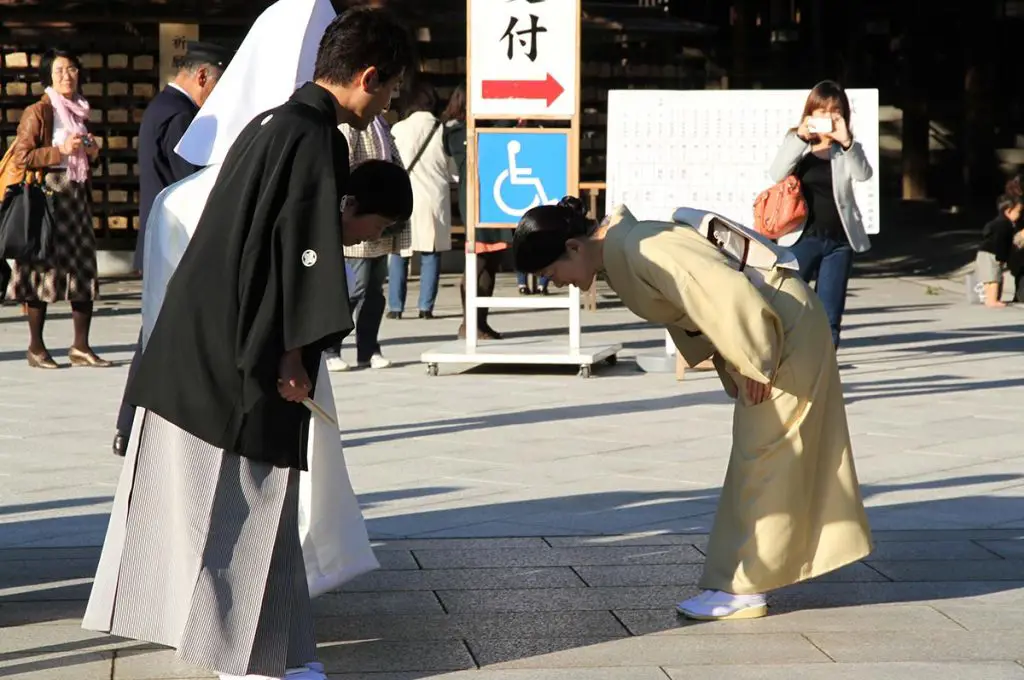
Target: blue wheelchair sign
[{"x": 519, "y": 171}]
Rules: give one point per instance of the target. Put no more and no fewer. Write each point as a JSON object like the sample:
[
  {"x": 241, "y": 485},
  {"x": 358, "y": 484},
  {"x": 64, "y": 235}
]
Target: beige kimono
[{"x": 791, "y": 507}]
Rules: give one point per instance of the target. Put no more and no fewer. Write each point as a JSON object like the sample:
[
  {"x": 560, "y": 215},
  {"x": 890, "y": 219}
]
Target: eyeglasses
[{"x": 70, "y": 70}]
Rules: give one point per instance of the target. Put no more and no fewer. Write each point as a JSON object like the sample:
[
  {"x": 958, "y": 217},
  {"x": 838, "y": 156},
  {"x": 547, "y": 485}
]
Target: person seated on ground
[
  {"x": 791, "y": 506},
  {"x": 996, "y": 246}
]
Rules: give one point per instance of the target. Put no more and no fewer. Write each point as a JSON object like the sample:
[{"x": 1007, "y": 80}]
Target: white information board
[
  {"x": 711, "y": 149},
  {"x": 523, "y": 58}
]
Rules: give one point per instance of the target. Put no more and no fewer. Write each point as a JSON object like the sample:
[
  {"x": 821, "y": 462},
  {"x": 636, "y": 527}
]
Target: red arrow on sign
[{"x": 548, "y": 89}]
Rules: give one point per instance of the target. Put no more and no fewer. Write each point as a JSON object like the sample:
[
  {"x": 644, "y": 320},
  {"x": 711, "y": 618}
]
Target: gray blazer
[{"x": 848, "y": 166}]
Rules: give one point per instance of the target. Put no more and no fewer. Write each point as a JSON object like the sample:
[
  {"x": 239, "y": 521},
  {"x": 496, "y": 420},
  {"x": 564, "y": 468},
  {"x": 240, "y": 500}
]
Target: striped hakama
[{"x": 202, "y": 554}]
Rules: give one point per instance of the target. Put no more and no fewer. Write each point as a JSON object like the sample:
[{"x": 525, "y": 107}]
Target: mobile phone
[
  {"x": 819, "y": 125},
  {"x": 86, "y": 141}
]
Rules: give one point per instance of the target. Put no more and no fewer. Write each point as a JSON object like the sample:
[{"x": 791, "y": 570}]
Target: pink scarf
[{"x": 73, "y": 114}]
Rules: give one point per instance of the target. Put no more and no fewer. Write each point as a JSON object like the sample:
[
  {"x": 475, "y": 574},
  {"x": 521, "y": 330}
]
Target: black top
[
  {"x": 997, "y": 238},
  {"x": 166, "y": 118},
  {"x": 823, "y": 219},
  {"x": 264, "y": 274}
]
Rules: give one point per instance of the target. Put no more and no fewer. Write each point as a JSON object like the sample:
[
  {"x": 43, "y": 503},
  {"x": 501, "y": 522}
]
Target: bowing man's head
[
  {"x": 363, "y": 57},
  {"x": 558, "y": 241},
  {"x": 379, "y": 196}
]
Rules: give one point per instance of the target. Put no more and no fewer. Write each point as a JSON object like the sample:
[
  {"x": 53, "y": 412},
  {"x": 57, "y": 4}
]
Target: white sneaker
[
  {"x": 336, "y": 365},
  {"x": 311, "y": 671},
  {"x": 716, "y": 605},
  {"x": 377, "y": 361}
]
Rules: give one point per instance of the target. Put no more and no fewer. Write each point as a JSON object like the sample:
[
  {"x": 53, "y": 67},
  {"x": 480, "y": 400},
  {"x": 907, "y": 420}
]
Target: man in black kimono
[
  {"x": 166, "y": 118},
  {"x": 202, "y": 552}
]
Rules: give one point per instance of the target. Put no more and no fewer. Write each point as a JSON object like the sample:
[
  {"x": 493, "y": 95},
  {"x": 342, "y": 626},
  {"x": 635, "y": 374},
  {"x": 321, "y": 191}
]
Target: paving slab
[
  {"x": 978, "y": 617},
  {"x": 68, "y": 666},
  {"x": 929, "y": 550},
  {"x": 565, "y": 599},
  {"x": 992, "y": 645},
  {"x": 465, "y": 579},
  {"x": 988, "y": 570},
  {"x": 544, "y": 526},
  {"x": 389, "y": 656},
  {"x": 770, "y": 648},
  {"x": 895, "y": 618},
  {"x": 550, "y": 557},
  {"x": 1008, "y": 549},
  {"x": 460, "y": 625},
  {"x": 853, "y": 671}
]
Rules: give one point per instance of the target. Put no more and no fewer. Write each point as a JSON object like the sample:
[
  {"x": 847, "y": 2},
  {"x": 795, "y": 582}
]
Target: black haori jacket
[{"x": 264, "y": 274}]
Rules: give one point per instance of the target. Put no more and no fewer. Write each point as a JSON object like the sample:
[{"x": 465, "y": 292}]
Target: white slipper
[{"x": 716, "y": 605}]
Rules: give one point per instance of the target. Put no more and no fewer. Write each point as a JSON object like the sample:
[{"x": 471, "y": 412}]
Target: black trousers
[{"x": 126, "y": 414}]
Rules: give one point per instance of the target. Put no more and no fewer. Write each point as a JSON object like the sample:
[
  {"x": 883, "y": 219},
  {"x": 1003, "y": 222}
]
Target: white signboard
[
  {"x": 523, "y": 58},
  {"x": 711, "y": 149}
]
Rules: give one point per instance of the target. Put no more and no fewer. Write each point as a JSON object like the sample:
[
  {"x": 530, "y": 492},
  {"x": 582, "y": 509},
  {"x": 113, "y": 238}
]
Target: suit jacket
[{"x": 167, "y": 117}]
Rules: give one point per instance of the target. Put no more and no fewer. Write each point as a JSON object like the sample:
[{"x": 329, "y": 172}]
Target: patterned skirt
[
  {"x": 70, "y": 273},
  {"x": 202, "y": 554}
]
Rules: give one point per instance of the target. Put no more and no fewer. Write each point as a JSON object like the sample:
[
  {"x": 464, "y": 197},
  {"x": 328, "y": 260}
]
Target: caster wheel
[
  {"x": 613, "y": 360},
  {"x": 432, "y": 370},
  {"x": 585, "y": 372}
]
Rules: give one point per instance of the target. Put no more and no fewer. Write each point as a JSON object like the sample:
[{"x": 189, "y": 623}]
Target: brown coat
[{"x": 33, "y": 147}]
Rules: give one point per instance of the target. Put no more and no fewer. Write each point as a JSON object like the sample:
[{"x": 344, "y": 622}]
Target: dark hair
[
  {"x": 828, "y": 95},
  {"x": 543, "y": 231},
  {"x": 1007, "y": 202},
  {"x": 360, "y": 38},
  {"x": 381, "y": 188},
  {"x": 46, "y": 65},
  {"x": 456, "y": 109},
  {"x": 422, "y": 97}
]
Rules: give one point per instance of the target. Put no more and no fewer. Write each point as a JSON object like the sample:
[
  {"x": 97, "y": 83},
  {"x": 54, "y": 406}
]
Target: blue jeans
[
  {"x": 366, "y": 277},
  {"x": 828, "y": 263},
  {"x": 398, "y": 281}
]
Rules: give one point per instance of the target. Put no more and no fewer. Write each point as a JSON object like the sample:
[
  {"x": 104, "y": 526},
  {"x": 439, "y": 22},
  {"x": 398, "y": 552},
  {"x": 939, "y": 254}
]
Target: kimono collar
[
  {"x": 620, "y": 215},
  {"x": 620, "y": 222},
  {"x": 316, "y": 97}
]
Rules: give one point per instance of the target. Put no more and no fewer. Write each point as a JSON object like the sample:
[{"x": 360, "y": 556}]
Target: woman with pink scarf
[{"x": 54, "y": 146}]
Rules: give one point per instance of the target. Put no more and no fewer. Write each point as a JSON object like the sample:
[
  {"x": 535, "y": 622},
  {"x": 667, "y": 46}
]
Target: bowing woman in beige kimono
[{"x": 791, "y": 507}]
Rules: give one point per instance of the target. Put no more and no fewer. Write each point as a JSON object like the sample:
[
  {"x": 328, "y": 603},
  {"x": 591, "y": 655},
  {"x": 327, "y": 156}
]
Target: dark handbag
[{"x": 26, "y": 223}]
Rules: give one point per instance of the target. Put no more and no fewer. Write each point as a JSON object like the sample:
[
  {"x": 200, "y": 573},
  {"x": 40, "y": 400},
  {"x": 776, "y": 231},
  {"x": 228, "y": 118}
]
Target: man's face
[{"x": 374, "y": 97}]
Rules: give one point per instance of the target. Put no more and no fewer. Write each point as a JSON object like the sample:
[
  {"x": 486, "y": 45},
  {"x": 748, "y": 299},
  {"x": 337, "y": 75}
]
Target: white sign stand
[{"x": 524, "y": 64}]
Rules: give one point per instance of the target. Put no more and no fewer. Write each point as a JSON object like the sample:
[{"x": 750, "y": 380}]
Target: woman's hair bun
[{"x": 573, "y": 203}]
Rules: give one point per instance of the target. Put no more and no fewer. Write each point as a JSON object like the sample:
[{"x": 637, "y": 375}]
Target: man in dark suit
[{"x": 166, "y": 118}]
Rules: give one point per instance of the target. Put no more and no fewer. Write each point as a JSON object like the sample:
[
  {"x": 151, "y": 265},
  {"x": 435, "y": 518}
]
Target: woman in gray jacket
[{"x": 822, "y": 153}]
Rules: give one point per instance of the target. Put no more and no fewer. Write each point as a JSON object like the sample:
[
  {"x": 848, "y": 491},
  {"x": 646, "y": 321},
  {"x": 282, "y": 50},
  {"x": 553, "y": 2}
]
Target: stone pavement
[{"x": 532, "y": 525}]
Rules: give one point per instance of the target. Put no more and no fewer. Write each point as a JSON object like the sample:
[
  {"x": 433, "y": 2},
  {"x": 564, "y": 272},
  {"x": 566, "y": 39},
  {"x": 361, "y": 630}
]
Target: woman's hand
[
  {"x": 757, "y": 392},
  {"x": 293, "y": 383},
  {"x": 803, "y": 131},
  {"x": 70, "y": 145},
  {"x": 840, "y": 132}
]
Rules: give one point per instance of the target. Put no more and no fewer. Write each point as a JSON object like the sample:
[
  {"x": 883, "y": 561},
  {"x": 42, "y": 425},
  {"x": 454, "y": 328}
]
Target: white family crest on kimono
[{"x": 335, "y": 543}]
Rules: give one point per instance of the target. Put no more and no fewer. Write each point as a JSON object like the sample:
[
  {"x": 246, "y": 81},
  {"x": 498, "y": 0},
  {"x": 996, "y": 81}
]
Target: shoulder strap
[{"x": 419, "y": 154}]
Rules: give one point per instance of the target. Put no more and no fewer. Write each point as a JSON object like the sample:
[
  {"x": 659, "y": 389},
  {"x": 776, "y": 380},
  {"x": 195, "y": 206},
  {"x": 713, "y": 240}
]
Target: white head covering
[{"x": 277, "y": 56}]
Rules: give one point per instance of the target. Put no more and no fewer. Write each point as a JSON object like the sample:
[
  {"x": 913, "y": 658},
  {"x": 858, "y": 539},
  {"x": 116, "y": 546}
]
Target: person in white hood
[{"x": 204, "y": 552}]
